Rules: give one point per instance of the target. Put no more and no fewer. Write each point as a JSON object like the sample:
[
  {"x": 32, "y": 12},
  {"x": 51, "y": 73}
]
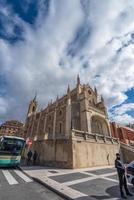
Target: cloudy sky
[{"x": 44, "y": 44}]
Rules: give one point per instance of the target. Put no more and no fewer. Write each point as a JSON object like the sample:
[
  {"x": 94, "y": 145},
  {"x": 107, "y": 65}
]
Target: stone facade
[
  {"x": 79, "y": 151},
  {"x": 81, "y": 111},
  {"x": 12, "y": 128}
]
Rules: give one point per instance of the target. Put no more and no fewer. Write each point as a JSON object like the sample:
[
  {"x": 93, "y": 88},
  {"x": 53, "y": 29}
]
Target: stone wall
[
  {"x": 127, "y": 153},
  {"x": 93, "y": 150},
  {"x": 88, "y": 154},
  {"x": 56, "y": 153},
  {"x": 79, "y": 151}
]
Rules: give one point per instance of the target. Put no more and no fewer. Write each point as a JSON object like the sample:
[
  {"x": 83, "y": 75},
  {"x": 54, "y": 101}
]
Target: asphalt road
[{"x": 15, "y": 185}]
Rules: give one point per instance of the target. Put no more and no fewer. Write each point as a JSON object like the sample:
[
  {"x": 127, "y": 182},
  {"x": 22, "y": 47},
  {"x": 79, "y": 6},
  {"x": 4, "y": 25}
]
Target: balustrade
[{"x": 93, "y": 137}]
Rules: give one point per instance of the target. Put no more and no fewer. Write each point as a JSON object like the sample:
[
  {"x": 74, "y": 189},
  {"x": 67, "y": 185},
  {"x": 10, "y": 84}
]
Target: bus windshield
[{"x": 11, "y": 146}]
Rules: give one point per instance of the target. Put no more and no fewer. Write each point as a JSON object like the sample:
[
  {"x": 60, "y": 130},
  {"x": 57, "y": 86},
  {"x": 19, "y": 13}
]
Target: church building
[{"x": 73, "y": 131}]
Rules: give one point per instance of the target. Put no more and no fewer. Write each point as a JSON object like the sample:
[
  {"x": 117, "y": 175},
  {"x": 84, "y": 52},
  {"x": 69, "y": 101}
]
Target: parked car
[{"x": 130, "y": 172}]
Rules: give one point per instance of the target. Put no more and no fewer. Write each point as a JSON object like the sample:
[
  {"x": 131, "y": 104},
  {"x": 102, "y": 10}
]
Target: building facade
[
  {"x": 131, "y": 126},
  {"x": 12, "y": 128},
  {"x": 75, "y": 123},
  {"x": 124, "y": 133}
]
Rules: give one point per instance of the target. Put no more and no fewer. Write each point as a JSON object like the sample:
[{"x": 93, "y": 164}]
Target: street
[
  {"x": 81, "y": 184},
  {"x": 15, "y": 185}
]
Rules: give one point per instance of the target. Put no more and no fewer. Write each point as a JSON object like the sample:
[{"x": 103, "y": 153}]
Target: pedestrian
[
  {"x": 108, "y": 159},
  {"x": 122, "y": 177},
  {"x": 29, "y": 156},
  {"x": 35, "y": 157}
]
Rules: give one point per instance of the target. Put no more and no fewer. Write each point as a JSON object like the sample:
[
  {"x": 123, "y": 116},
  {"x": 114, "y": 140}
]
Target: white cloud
[
  {"x": 124, "y": 108},
  {"x": 3, "y": 106},
  {"x": 120, "y": 113},
  {"x": 54, "y": 50},
  {"x": 124, "y": 119}
]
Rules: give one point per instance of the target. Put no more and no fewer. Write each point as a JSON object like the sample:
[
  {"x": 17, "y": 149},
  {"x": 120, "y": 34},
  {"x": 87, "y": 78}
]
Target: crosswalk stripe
[
  {"x": 23, "y": 176},
  {"x": 11, "y": 180}
]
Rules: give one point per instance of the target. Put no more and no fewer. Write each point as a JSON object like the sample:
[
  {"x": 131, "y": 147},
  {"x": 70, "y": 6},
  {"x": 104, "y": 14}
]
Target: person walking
[
  {"x": 29, "y": 156},
  {"x": 35, "y": 157},
  {"x": 122, "y": 177},
  {"x": 108, "y": 159}
]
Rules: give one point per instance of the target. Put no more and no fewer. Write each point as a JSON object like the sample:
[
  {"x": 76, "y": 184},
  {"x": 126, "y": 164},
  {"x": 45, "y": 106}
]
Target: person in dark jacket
[
  {"x": 122, "y": 178},
  {"x": 35, "y": 157},
  {"x": 29, "y": 156}
]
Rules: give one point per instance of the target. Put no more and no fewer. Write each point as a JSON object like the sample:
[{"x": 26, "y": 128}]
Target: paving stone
[
  {"x": 115, "y": 177},
  {"x": 99, "y": 189},
  {"x": 102, "y": 171},
  {"x": 96, "y": 189},
  {"x": 69, "y": 177}
]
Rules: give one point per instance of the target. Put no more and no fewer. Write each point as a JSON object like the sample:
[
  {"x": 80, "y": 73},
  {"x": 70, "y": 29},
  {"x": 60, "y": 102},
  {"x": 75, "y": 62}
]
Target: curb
[
  {"x": 47, "y": 186},
  {"x": 52, "y": 189}
]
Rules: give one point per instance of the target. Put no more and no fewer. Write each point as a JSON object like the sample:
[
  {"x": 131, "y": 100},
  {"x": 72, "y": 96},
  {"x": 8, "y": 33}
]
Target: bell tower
[{"x": 32, "y": 107}]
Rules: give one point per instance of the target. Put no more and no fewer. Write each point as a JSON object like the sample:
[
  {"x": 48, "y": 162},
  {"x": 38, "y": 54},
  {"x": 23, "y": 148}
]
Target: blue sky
[{"x": 44, "y": 44}]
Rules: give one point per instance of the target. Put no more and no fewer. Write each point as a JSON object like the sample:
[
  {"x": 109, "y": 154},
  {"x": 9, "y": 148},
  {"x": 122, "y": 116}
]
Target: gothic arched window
[
  {"x": 33, "y": 108},
  {"x": 99, "y": 126},
  {"x": 60, "y": 112},
  {"x": 60, "y": 127}
]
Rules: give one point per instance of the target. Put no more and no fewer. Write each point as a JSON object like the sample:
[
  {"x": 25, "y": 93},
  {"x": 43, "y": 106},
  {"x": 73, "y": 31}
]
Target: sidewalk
[{"x": 96, "y": 183}]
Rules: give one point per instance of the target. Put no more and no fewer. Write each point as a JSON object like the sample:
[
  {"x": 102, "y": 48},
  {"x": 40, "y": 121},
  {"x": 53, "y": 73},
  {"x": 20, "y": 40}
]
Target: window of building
[
  {"x": 33, "y": 108},
  {"x": 60, "y": 127},
  {"x": 90, "y": 102},
  {"x": 60, "y": 112},
  {"x": 89, "y": 92},
  {"x": 99, "y": 126},
  {"x": 37, "y": 115}
]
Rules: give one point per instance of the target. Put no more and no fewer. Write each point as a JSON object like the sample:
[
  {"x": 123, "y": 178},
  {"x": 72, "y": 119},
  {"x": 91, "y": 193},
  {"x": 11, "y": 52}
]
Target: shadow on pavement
[
  {"x": 112, "y": 192},
  {"x": 7, "y": 168},
  {"x": 35, "y": 167}
]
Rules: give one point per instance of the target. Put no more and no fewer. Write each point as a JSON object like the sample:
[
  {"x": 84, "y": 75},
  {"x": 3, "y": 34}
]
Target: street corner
[{"x": 83, "y": 184}]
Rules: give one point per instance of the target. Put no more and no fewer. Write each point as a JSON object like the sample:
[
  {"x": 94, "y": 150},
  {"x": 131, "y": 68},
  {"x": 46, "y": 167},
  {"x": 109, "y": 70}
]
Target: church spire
[
  {"x": 68, "y": 89},
  {"x": 78, "y": 80},
  {"x": 68, "y": 92},
  {"x": 95, "y": 90},
  {"x": 68, "y": 95},
  {"x": 32, "y": 106},
  {"x": 34, "y": 99},
  {"x": 57, "y": 97},
  {"x": 102, "y": 99}
]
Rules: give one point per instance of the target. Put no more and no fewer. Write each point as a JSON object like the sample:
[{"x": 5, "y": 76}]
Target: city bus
[{"x": 11, "y": 149}]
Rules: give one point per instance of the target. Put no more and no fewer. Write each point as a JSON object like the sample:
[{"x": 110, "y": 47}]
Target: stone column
[
  {"x": 37, "y": 131},
  {"x": 27, "y": 127},
  {"x": 85, "y": 115},
  {"x": 109, "y": 129},
  {"x": 45, "y": 122},
  {"x": 33, "y": 118},
  {"x": 54, "y": 123},
  {"x": 68, "y": 117},
  {"x": 88, "y": 118}
]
